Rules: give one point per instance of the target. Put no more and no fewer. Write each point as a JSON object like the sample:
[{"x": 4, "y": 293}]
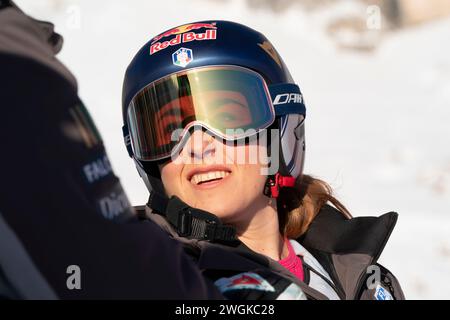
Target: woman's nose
[{"x": 200, "y": 145}]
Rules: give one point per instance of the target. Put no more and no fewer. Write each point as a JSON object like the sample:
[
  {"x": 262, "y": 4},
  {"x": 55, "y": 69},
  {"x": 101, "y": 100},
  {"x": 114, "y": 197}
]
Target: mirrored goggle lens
[{"x": 232, "y": 102}]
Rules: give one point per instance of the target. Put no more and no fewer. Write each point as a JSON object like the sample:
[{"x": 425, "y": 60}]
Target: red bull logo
[
  {"x": 184, "y": 34},
  {"x": 185, "y": 28}
]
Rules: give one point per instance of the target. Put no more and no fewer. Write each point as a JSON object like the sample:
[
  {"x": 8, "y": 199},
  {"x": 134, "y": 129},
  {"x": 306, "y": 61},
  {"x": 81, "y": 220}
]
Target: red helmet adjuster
[{"x": 278, "y": 182}]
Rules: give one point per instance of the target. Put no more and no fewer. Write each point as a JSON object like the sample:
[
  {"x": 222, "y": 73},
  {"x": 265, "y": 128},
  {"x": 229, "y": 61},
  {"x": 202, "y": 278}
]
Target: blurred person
[
  {"x": 62, "y": 208},
  {"x": 196, "y": 96}
]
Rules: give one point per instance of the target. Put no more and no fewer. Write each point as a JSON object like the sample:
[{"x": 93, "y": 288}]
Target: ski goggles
[{"x": 230, "y": 102}]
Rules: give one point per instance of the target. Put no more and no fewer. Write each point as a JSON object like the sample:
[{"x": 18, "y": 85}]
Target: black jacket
[
  {"x": 52, "y": 215},
  {"x": 347, "y": 249}
]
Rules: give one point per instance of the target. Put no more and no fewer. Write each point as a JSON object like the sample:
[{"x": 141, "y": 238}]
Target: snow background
[{"x": 377, "y": 126}]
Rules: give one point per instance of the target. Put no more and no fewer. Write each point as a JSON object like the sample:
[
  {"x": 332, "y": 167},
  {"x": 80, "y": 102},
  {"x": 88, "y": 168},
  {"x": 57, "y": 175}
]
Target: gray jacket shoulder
[{"x": 26, "y": 37}]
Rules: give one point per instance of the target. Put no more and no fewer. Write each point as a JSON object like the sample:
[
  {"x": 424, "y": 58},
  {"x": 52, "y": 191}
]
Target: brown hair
[{"x": 297, "y": 207}]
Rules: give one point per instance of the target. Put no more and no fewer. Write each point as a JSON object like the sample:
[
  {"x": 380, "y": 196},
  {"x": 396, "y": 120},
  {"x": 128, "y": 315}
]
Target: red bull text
[{"x": 184, "y": 34}]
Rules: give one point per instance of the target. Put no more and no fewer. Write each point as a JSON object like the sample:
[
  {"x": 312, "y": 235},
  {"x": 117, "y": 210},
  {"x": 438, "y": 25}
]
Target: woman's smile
[{"x": 208, "y": 177}]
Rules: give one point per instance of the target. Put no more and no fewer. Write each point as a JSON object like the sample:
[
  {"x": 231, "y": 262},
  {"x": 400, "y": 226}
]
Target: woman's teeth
[{"x": 208, "y": 176}]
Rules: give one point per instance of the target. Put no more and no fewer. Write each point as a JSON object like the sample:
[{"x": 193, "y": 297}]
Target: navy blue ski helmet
[{"x": 218, "y": 43}]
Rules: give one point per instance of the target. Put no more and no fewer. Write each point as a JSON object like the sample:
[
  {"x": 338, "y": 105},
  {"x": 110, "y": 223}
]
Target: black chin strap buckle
[
  {"x": 191, "y": 222},
  {"x": 184, "y": 222},
  {"x": 220, "y": 233}
]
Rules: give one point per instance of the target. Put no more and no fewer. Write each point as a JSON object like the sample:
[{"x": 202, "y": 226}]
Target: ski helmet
[{"x": 244, "y": 59}]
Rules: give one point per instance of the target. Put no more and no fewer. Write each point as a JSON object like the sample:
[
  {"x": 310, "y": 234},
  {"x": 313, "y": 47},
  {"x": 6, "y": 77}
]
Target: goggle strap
[
  {"x": 127, "y": 140},
  {"x": 286, "y": 99}
]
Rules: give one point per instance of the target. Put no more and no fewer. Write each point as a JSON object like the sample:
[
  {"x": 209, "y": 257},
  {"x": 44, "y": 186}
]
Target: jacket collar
[
  {"x": 347, "y": 248},
  {"x": 331, "y": 232}
]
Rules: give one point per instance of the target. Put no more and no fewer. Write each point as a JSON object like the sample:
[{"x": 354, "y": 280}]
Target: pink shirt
[{"x": 292, "y": 262}]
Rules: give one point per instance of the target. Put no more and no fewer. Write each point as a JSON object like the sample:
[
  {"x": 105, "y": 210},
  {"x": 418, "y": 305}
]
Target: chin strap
[
  {"x": 275, "y": 183},
  {"x": 191, "y": 222}
]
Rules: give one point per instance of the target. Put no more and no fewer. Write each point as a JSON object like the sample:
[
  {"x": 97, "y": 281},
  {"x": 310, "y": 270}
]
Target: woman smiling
[{"x": 260, "y": 229}]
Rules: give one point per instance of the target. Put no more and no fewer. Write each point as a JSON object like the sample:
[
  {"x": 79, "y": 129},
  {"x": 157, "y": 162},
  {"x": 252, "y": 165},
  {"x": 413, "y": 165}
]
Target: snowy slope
[{"x": 377, "y": 125}]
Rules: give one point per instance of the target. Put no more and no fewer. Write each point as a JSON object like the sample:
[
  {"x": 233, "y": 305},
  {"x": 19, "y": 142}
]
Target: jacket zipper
[
  {"x": 393, "y": 221},
  {"x": 389, "y": 285},
  {"x": 385, "y": 281}
]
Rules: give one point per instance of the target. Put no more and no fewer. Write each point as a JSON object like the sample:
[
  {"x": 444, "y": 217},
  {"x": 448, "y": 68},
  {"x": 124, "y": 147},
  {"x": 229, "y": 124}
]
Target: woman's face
[{"x": 217, "y": 177}]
